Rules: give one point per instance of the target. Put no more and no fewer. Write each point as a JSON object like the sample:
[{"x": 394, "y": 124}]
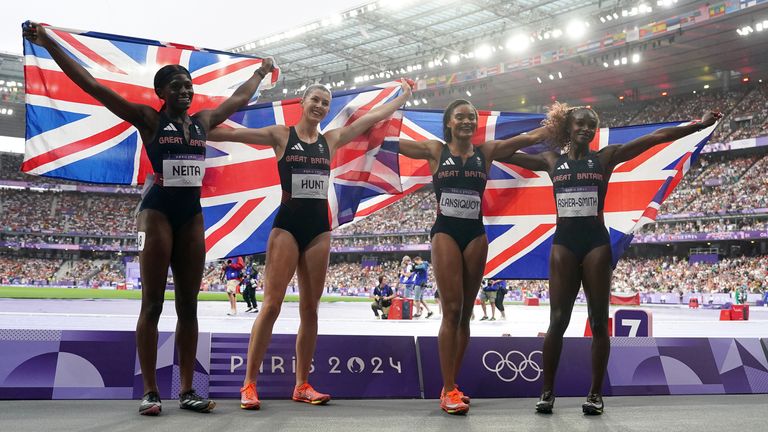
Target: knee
[
  {"x": 558, "y": 321},
  {"x": 151, "y": 310},
  {"x": 599, "y": 325},
  {"x": 452, "y": 314},
  {"x": 270, "y": 311},
  {"x": 186, "y": 310},
  {"x": 308, "y": 310}
]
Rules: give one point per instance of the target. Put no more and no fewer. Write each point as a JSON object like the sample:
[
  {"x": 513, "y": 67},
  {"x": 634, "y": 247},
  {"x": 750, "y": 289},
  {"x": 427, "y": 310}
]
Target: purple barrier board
[
  {"x": 56, "y": 364},
  {"x": 507, "y": 367},
  {"x": 512, "y": 367},
  {"x": 344, "y": 366}
]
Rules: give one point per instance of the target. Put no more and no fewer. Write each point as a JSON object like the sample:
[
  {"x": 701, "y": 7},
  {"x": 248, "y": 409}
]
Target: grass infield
[{"x": 85, "y": 293}]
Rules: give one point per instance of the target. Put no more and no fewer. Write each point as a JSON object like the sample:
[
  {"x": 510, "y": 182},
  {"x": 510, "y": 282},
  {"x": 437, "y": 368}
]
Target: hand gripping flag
[
  {"x": 72, "y": 136},
  {"x": 519, "y": 207}
]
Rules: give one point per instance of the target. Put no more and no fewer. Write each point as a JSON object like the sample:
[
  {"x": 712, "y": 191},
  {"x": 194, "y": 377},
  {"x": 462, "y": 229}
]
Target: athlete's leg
[
  {"x": 281, "y": 261},
  {"x": 154, "y": 258},
  {"x": 447, "y": 260},
  {"x": 474, "y": 257},
  {"x": 313, "y": 266},
  {"x": 187, "y": 263},
  {"x": 597, "y": 287},
  {"x": 564, "y": 283}
]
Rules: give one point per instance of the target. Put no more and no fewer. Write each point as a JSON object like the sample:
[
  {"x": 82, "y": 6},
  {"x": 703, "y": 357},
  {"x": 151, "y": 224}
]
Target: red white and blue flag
[
  {"x": 519, "y": 207},
  {"x": 241, "y": 190},
  {"x": 72, "y": 136}
]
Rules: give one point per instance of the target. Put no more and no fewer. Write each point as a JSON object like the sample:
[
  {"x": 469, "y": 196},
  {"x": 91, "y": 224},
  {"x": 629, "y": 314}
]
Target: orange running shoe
[
  {"x": 249, "y": 399},
  {"x": 451, "y": 402},
  {"x": 305, "y": 393},
  {"x": 464, "y": 398}
]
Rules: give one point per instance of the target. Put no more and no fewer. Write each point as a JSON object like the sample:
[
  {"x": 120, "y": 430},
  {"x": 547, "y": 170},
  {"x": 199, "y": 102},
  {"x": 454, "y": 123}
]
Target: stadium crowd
[{"x": 718, "y": 184}]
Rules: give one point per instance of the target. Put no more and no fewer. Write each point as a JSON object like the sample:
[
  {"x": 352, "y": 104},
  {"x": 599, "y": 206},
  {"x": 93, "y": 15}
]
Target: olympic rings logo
[{"x": 514, "y": 364}]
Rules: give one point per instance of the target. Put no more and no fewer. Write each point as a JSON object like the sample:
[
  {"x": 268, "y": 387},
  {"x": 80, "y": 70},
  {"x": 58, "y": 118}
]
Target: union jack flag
[
  {"x": 519, "y": 207},
  {"x": 420, "y": 125},
  {"x": 241, "y": 190},
  {"x": 72, "y": 136}
]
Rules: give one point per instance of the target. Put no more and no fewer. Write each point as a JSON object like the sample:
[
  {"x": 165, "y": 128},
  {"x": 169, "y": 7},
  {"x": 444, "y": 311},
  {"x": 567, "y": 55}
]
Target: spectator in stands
[{"x": 382, "y": 298}]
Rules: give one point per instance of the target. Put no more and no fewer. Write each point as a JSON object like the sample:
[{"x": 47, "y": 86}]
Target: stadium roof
[{"x": 454, "y": 46}]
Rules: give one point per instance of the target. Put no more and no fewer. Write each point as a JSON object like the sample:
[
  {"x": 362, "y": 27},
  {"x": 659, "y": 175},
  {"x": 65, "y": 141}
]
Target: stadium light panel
[
  {"x": 605, "y": 64},
  {"x": 454, "y": 58},
  {"x": 518, "y": 43},
  {"x": 538, "y": 79},
  {"x": 624, "y": 60},
  {"x": 616, "y": 62},
  {"x": 706, "y": 86},
  {"x": 483, "y": 52},
  {"x": 576, "y": 29},
  {"x": 635, "y": 58},
  {"x": 551, "y": 77},
  {"x": 469, "y": 93},
  {"x": 424, "y": 101}
]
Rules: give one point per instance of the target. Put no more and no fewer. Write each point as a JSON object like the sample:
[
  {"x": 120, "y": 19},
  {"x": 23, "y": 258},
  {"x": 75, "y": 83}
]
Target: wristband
[{"x": 261, "y": 73}]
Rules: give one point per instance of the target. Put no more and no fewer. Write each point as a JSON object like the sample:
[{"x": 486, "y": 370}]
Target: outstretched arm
[
  {"x": 622, "y": 153},
  {"x": 271, "y": 135},
  {"x": 239, "y": 98},
  {"x": 501, "y": 149},
  {"x": 341, "y": 136},
  {"x": 534, "y": 162},
  {"x": 139, "y": 115}
]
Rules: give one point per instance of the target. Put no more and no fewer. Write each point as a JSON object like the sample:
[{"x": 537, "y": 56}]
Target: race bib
[
  {"x": 183, "y": 170},
  {"x": 577, "y": 201},
  {"x": 460, "y": 203},
  {"x": 310, "y": 183}
]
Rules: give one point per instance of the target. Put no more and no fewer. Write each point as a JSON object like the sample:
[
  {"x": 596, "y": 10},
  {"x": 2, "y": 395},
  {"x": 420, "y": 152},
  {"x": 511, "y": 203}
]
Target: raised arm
[
  {"x": 141, "y": 116},
  {"x": 341, "y": 136},
  {"x": 614, "y": 155},
  {"x": 241, "y": 96},
  {"x": 501, "y": 149}
]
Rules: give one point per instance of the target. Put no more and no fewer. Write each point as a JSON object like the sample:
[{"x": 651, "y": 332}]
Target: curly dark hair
[
  {"x": 449, "y": 112},
  {"x": 558, "y": 118}
]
